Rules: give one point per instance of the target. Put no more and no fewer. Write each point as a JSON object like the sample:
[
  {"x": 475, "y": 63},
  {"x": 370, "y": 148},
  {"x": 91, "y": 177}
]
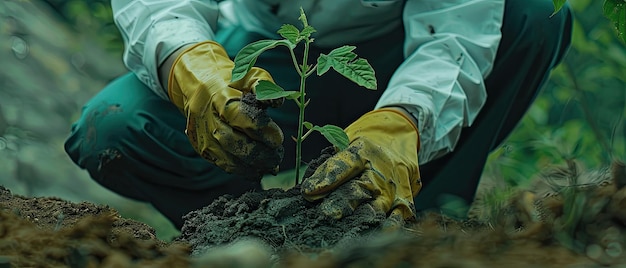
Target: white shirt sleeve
[
  {"x": 450, "y": 48},
  {"x": 153, "y": 29}
]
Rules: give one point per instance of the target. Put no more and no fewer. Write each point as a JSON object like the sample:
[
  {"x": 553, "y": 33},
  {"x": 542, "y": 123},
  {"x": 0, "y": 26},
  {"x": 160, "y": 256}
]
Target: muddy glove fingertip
[{"x": 336, "y": 208}]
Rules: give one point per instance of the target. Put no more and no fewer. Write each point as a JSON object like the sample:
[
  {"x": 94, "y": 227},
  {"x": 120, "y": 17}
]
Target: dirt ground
[{"x": 552, "y": 224}]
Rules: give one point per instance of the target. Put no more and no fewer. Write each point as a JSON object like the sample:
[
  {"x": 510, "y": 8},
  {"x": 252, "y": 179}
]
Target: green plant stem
[
  {"x": 307, "y": 133},
  {"x": 301, "y": 105},
  {"x": 312, "y": 70},
  {"x": 295, "y": 62}
]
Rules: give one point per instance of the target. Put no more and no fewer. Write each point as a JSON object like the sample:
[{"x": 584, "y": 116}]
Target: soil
[
  {"x": 264, "y": 156},
  {"x": 551, "y": 224},
  {"x": 282, "y": 219},
  {"x": 50, "y": 232}
]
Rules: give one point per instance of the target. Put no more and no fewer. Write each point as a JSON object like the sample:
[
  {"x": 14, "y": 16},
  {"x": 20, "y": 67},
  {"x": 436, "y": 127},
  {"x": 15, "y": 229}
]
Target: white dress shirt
[{"x": 449, "y": 49}]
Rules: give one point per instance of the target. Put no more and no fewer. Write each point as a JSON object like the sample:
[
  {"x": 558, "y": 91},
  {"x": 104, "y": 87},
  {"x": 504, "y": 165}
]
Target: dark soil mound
[{"x": 283, "y": 219}]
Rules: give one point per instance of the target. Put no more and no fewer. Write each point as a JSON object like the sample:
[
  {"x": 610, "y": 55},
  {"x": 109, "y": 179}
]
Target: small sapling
[{"x": 342, "y": 59}]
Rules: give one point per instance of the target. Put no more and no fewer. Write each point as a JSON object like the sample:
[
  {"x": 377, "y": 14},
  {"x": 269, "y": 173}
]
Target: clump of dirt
[
  {"x": 283, "y": 219},
  {"x": 264, "y": 156},
  {"x": 256, "y": 109},
  {"x": 50, "y": 232}
]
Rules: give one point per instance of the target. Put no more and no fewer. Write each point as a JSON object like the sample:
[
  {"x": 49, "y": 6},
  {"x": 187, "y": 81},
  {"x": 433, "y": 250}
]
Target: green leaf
[
  {"x": 615, "y": 11},
  {"x": 266, "y": 90},
  {"x": 290, "y": 33},
  {"x": 345, "y": 62},
  {"x": 307, "y": 31},
  {"x": 247, "y": 56},
  {"x": 334, "y": 135},
  {"x": 558, "y": 4},
  {"x": 344, "y": 53},
  {"x": 294, "y": 95},
  {"x": 307, "y": 125}
]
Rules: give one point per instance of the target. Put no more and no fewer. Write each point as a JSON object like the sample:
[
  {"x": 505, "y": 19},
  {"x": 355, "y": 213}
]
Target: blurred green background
[
  {"x": 580, "y": 112},
  {"x": 57, "y": 54}
]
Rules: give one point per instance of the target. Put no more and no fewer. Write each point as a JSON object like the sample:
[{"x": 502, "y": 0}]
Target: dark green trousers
[{"x": 132, "y": 142}]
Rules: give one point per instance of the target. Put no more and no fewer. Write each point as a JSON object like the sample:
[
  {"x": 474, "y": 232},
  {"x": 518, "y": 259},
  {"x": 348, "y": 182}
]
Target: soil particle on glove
[
  {"x": 315, "y": 163},
  {"x": 262, "y": 156},
  {"x": 255, "y": 109}
]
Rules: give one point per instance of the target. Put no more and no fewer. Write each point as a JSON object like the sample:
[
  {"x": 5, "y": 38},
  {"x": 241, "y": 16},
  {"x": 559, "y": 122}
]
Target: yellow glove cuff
[
  {"x": 199, "y": 57},
  {"x": 396, "y": 122}
]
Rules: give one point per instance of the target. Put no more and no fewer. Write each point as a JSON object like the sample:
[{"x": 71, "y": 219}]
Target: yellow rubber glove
[
  {"x": 234, "y": 135},
  {"x": 379, "y": 167}
]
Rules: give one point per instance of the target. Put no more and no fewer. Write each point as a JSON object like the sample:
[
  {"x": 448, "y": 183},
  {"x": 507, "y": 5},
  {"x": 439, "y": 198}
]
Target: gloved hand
[
  {"x": 379, "y": 167},
  {"x": 235, "y": 135}
]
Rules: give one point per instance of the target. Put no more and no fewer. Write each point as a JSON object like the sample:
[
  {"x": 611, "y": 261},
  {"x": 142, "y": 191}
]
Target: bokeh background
[{"x": 56, "y": 54}]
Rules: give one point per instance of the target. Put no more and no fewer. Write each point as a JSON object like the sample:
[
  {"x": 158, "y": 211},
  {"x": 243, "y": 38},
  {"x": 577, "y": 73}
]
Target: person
[{"x": 454, "y": 78}]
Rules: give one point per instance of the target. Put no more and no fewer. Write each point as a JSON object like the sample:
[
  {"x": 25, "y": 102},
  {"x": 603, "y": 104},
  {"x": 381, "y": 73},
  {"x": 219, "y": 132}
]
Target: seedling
[{"x": 342, "y": 59}]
